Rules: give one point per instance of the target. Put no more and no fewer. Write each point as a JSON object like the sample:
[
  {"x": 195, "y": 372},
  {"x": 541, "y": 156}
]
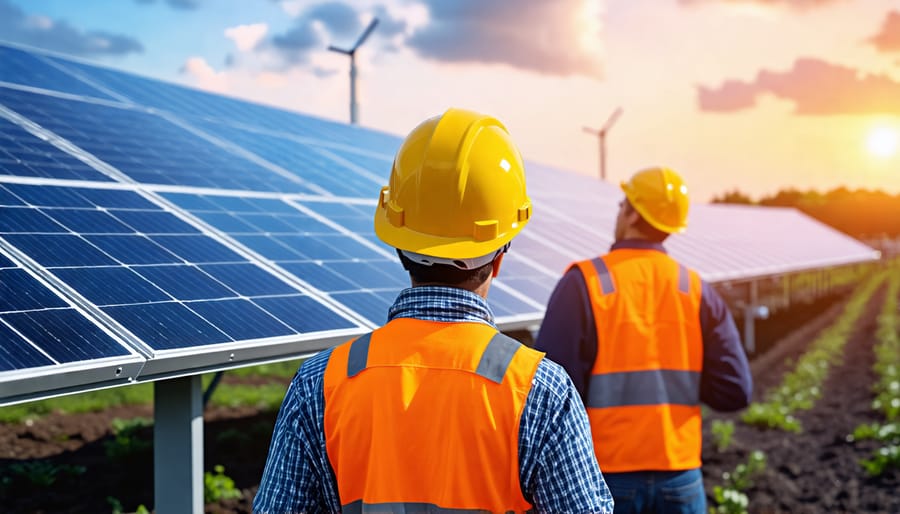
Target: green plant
[
  {"x": 801, "y": 387},
  {"x": 42, "y": 473},
  {"x": 722, "y": 432},
  {"x": 729, "y": 501},
  {"x": 126, "y": 441},
  {"x": 742, "y": 476},
  {"x": 884, "y": 458},
  {"x": 218, "y": 486},
  {"x": 115, "y": 504},
  {"x": 730, "y": 498}
]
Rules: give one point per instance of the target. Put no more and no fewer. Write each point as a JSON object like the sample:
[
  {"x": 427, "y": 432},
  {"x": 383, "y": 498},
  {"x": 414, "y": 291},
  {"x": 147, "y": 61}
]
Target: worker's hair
[
  {"x": 445, "y": 274},
  {"x": 649, "y": 232}
]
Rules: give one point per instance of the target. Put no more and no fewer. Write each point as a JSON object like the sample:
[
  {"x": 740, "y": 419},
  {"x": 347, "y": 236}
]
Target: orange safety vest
[
  {"x": 423, "y": 416},
  {"x": 643, "y": 399}
]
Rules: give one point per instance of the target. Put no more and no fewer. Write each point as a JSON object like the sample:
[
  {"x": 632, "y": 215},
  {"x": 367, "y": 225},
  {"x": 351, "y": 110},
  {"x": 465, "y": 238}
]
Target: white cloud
[
  {"x": 293, "y": 7},
  {"x": 246, "y": 37},
  {"x": 205, "y": 76}
]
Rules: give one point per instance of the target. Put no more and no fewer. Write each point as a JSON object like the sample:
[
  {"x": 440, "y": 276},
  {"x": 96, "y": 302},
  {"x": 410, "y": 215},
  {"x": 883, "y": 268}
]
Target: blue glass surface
[
  {"x": 325, "y": 258},
  {"x": 184, "y": 282},
  {"x": 17, "y": 353},
  {"x": 111, "y": 285},
  {"x": 22, "y": 67},
  {"x": 303, "y": 160},
  {"x": 302, "y": 313},
  {"x": 133, "y": 249},
  {"x": 247, "y": 279},
  {"x": 240, "y": 319},
  {"x": 151, "y": 281},
  {"x": 504, "y": 303},
  {"x": 25, "y": 219},
  {"x": 160, "y": 152},
  {"x": 53, "y": 250},
  {"x": 373, "y": 306},
  {"x": 197, "y": 248},
  {"x": 84, "y": 221},
  {"x": 167, "y": 325},
  {"x": 24, "y": 155},
  {"x": 19, "y": 291},
  {"x": 64, "y": 334}
]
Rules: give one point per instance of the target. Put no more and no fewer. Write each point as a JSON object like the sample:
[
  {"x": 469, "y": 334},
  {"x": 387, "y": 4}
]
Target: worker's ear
[{"x": 496, "y": 265}]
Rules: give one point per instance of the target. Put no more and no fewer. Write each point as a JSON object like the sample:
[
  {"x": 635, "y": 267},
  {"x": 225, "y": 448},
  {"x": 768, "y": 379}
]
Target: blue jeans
[{"x": 660, "y": 492}]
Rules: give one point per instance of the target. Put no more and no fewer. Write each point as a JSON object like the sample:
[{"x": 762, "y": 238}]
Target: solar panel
[
  {"x": 28, "y": 69},
  {"x": 42, "y": 333},
  {"x": 190, "y": 231}
]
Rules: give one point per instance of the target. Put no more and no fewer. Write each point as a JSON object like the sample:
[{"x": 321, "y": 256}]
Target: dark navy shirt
[{"x": 568, "y": 335}]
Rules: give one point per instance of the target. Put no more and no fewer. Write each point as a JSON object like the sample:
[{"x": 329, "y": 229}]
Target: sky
[{"x": 749, "y": 95}]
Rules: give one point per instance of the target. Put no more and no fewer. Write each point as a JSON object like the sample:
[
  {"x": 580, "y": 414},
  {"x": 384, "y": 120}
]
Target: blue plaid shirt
[{"x": 557, "y": 467}]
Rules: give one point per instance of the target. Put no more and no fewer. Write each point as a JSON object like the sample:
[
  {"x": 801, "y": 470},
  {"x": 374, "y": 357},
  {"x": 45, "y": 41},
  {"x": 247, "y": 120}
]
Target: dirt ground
[{"x": 812, "y": 472}]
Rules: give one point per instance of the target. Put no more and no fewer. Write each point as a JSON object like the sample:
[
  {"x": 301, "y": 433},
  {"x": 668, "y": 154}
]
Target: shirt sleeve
[
  {"x": 568, "y": 335},
  {"x": 725, "y": 383},
  {"x": 557, "y": 465},
  {"x": 298, "y": 476}
]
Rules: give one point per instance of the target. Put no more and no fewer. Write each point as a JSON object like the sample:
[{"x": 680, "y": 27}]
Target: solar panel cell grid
[
  {"x": 136, "y": 259},
  {"x": 23, "y": 154}
]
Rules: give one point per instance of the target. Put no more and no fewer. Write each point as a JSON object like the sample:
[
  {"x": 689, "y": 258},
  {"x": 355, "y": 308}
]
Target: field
[{"x": 73, "y": 463}]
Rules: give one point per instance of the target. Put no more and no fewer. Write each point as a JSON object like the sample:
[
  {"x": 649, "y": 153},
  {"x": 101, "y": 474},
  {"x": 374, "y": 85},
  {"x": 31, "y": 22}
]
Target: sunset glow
[{"x": 882, "y": 142}]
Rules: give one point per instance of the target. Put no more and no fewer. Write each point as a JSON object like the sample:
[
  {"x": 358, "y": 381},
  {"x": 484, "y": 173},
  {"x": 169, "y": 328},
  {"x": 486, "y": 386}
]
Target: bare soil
[{"x": 815, "y": 471}]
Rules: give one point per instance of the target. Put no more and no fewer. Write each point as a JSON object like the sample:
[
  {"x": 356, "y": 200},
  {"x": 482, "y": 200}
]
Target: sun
[{"x": 882, "y": 142}]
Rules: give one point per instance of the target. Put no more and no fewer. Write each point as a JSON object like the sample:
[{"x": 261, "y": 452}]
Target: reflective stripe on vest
[
  {"x": 643, "y": 397},
  {"x": 651, "y": 387},
  {"x": 423, "y": 416},
  {"x": 358, "y": 507},
  {"x": 492, "y": 365}
]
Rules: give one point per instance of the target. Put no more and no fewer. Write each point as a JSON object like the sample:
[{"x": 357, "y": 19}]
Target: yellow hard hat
[
  {"x": 457, "y": 189},
  {"x": 661, "y": 197}
]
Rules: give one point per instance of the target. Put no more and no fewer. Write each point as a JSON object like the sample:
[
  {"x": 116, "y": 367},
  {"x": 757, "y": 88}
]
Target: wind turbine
[
  {"x": 352, "y": 53},
  {"x": 601, "y": 136}
]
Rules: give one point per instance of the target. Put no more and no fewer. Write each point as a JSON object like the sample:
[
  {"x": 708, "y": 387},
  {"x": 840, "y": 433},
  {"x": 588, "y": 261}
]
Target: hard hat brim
[{"x": 445, "y": 247}]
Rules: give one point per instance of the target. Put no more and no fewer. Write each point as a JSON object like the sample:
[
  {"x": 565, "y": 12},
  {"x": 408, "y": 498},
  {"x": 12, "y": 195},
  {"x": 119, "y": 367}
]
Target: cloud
[
  {"x": 204, "y": 76},
  {"x": 560, "y": 38},
  {"x": 246, "y": 37},
  {"x": 888, "y": 39},
  {"x": 794, "y": 4},
  {"x": 185, "y": 5},
  {"x": 816, "y": 87},
  {"x": 323, "y": 24},
  {"x": 58, "y": 35}
]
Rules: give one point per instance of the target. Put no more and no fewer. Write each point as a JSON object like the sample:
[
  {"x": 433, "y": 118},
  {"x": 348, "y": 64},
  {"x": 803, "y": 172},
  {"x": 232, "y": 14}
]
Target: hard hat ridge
[
  {"x": 456, "y": 191},
  {"x": 661, "y": 197}
]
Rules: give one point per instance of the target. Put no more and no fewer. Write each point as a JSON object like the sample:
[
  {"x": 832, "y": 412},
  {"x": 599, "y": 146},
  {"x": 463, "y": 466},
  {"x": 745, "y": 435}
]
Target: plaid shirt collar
[{"x": 438, "y": 303}]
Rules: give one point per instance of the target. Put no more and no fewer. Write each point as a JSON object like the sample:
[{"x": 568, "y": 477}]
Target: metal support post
[{"x": 178, "y": 445}]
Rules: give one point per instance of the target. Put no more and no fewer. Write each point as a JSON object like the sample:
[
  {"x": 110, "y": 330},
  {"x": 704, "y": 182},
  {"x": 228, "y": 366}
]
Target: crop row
[
  {"x": 887, "y": 387},
  {"x": 802, "y": 386}
]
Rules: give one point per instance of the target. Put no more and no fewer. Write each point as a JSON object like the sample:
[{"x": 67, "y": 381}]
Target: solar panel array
[{"x": 150, "y": 230}]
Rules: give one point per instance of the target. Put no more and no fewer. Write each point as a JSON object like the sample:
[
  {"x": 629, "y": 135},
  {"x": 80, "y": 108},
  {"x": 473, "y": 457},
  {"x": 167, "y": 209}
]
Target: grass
[{"x": 263, "y": 396}]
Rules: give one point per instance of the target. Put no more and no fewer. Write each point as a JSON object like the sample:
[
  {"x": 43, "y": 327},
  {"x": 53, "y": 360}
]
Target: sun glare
[{"x": 882, "y": 142}]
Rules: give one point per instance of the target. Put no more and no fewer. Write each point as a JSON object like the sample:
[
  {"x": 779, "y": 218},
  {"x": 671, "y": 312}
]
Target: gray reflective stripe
[
  {"x": 684, "y": 279},
  {"x": 358, "y": 507},
  {"x": 359, "y": 355},
  {"x": 496, "y": 357},
  {"x": 606, "y": 283},
  {"x": 653, "y": 387}
]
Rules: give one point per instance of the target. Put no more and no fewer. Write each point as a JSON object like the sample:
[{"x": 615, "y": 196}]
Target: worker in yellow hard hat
[
  {"x": 438, "y": 411},
  {"x": 645, "y": 341}
]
